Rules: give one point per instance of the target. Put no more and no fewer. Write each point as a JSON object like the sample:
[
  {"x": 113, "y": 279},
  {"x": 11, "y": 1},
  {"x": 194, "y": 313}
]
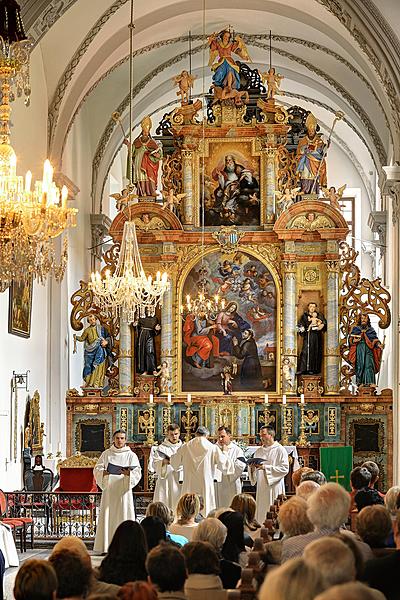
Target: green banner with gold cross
[{"x": 336, "y": 463}]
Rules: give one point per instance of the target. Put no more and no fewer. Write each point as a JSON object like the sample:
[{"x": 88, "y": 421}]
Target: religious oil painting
[
  {"x": 20, "y": 308},
  {"x": 230, "y": 185},
  {"x": 234, "y": 334}
]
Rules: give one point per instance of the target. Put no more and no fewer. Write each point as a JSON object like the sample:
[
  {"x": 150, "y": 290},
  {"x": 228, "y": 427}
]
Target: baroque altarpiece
[{"x": 263, "y": 247}]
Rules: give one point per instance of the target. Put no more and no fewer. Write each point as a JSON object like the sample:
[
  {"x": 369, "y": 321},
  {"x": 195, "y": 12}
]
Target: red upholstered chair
[
  {"x": 76, "y": 479},
  {"x": 17, "y": 526}
]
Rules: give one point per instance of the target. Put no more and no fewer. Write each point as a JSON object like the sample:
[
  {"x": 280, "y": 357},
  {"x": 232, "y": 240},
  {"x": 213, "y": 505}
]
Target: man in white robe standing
[
  {"x": 117, "y": 500},
  {"x": 227, "y": 486},
  {"x": 199, "y": 459},
  {"x": 269, "y": 475},
  {"x": 168, "y": 486}
]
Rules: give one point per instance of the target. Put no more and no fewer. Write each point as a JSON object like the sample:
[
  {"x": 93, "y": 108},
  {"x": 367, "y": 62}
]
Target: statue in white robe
[
  {"x": 270, "y": 475},
  {"x": 168, "y": 485},
  {"x": 117, "y": 500},
  {"x": 227, "y": 486},
  {"x": 199, "y": 459}
]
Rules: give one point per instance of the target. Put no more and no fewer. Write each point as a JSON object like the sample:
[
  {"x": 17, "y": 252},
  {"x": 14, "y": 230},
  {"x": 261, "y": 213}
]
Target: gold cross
[{"x": 336, "y": 476}]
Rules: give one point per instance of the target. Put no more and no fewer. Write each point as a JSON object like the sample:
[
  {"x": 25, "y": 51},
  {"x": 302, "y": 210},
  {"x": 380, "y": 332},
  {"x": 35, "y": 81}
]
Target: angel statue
[
  {"x": 185, "y": 82},
  {"x": 165, "y": 376},
  {"x": 273, "y": 82},
  {"x": 334, "y": 196},
  {"x": 172, "y": 201},
  {"x": 286, "y": 199},
  {"x": 226, "y": 71},
  {"x": 125, "y": 198}
]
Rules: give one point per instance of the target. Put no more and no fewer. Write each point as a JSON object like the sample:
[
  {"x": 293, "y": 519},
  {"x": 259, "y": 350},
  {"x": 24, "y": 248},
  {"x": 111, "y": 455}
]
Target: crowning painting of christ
[{"x": 241, "y": 336}]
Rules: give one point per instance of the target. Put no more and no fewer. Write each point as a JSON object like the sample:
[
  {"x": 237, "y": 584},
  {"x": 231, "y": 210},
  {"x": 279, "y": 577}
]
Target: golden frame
[
  {"x": 190, "y": 257},
  {"x": 78, "y": 434},
  {"x": 203, "y": 152}
]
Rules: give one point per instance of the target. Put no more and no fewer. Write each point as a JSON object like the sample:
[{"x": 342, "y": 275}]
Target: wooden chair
[{"x": 17, "y": 526}]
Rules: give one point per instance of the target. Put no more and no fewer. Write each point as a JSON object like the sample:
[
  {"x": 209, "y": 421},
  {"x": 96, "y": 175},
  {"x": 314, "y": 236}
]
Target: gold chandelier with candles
[{"x": 31, "y": 216}]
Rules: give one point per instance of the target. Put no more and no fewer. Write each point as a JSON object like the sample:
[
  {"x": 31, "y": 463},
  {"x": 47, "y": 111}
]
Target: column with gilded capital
[
  {"x": 332, "y": 354},
  {"x": 289, "y": 351},
  {"x": 270, "y": 179},
  {"x": 187, "y": 173},
  {"x": 125, "y": 358},
  {"x": 166, "y": 332}
]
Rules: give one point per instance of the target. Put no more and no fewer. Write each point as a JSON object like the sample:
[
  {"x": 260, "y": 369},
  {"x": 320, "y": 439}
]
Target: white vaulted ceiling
[{"x": 334, "y": 55}]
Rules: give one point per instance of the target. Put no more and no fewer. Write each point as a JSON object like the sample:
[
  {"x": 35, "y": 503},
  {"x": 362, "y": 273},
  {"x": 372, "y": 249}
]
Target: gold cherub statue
[
  {"x": 185, "y": 83},
  {"x": 286, "y": 198},
  {"x": 273, "y": 82},
  {"x": 334, "y": 196}
]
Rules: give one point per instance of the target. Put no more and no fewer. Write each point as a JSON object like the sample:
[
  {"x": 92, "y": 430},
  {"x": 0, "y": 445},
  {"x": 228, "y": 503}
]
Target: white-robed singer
[
  {"x": 117, "y": 500},
  {"x": 199, "y": 459},
  {"x": 269, "y": 475},
  {"x": 168, "y": 485},
  {"x": 7, "y": 547},
  {"x": 227, "y": 486}
]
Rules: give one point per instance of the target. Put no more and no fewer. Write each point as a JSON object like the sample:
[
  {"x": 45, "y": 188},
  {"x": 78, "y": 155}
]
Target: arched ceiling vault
[{"x": 338, "y": 54}]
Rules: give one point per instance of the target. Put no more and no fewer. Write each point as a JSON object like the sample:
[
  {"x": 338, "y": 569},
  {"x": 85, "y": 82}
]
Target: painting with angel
[
  {"x": 230, "y": 185},
  {"x": 241, "y": 332}
]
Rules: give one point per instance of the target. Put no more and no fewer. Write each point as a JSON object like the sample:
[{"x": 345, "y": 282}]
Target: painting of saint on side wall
[
  {"x": 230, "y": 185},
  {"x": 233, "y": 348}
]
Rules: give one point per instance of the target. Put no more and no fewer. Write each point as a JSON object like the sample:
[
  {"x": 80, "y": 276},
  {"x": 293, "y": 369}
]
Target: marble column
[
  {"x": 270, "y": 179},
  {"x": 125, "y": 359},
  {"x": 289, "y": 350},
  {"x": 166, "y": 334},
  {"x": 332, "y": 355},
  {"x": 188, "y": 212}
]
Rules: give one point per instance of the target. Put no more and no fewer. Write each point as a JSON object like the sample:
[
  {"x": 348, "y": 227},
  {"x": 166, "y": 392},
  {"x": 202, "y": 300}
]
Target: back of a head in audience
[
  {"x": 154, "y": 530},
  {"x": 294, "y": 580},
  {"x": 306, "y": 489},
  {"x": 162, "y": 511},
  {"x": 360, "y": 478},
  {"x": 391, "y": 498},
  {"x": 246, "y": 505},
  {"x": 188, "y": 508},
  {"x": 234, "y": 543},
  {"x": 165, "y": 565},
  {"x": 316, "y": 476},
  {"x": 333, "y": 560},
  {"x": 293, "y": 518},
  {"x": 396, "y": 530},
  {"x": 125, "y": 560},
  {"x": 73, "y": 573},
  {"x": 211, "y": 530},
  {"x": 348, "y": 591},
  {"x": 137, "y": 590},
  {"x": 328, "y": 507},
  {"x": 367, "y": 497},
  {"x": 35, "y": 580},
  {"x": 374, "y": 525},
  {"x": 73, "y": 544},
  {"x": 298, "y": 473},
  {"x": 373, "y": 468},
  {"x": 350, "y": 542},
  {"x": 201, "y": 558}
]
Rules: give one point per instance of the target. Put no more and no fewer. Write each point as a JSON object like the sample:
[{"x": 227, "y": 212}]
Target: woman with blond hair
[
  {"x": 295, "y": 580},
  {"x": 246, "y": 505},
  {"x": 187, "y": 510}
]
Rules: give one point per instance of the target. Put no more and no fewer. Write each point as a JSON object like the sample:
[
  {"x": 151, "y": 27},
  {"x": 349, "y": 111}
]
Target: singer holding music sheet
[{"x": 117, "y": 471}]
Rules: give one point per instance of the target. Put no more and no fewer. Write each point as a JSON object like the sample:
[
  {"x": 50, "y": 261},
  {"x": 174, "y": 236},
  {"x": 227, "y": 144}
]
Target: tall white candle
[
  {"x": 284, "y": 399},
  {"x": 302, "y": 398},
  {"x": 266, "y": 400},
  {"x": 169, "y": 398},
  {"x": 189, "y": 398},
  {"x": 151, "y": 399},
  {"x": 59, "y": 447}
]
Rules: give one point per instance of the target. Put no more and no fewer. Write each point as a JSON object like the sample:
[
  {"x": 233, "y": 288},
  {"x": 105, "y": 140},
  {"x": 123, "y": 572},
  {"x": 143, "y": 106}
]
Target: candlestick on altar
[
  {"x": 266, "y": 410},
  {"x": 188, "y": 418},
  {"x": 302, "y": 441},
  {"x": 167, "y": 414},
  {"x": 151, "y": 425},
  {"x": 285, "y": 437}
]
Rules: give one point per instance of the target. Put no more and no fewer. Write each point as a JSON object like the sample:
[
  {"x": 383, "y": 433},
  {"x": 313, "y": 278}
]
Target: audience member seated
[
  {"x": 333, "y": 560},
  {"x": 214, "y": 531},
  {"x": 306, "y": 489},
  {"x": 391, "y": 498},
  {"x": 349, "y": 591},
  {"x": 382, "y": 573},
  {"x": 35, "y": 580},
  {"x": 71, "y": 543},
  {"x": 187, "y": 509},
  {"x": 136, "y": 590},
  {"x": 298, "y": 473},
  {"x": 202, "y": 565},
  {"x": 163, "y": 512},
  {"x": 200, "y": 516},
  {"x": 327, "y": 510},
  {"x": 73, "y": 574},
  {"x": 294, "y": 580},
  {"x": 374, "y": 470},
  {"x": 154, "y": 530},
  {"x": 350, "y": 542},
  {"x": 374, "y": 525},
  {"x": 234, "y": 548},
  {"x": 316, "y": 476},
  {"x": 360, "y": 478},
  {"x": 293, "y": 520},
  {"x": 125, "y": 560},
  {"x": 246, "y": 505},
  {"x": 165, "y": 565}
]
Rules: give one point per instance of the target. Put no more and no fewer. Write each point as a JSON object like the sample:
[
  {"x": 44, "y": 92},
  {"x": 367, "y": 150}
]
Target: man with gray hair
[
  {"x": 307, "y": 489},
  {"x": 199, "y": 459},
  {"x": 333, "y": 559}
]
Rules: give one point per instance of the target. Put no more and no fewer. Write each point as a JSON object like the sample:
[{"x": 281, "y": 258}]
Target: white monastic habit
[
  {"x": 168, "y": 486},
  {"x": 270, "y": 478},
  {"x": 7, "y": 546},
  {"x": 116, "y": 500},
  {"x": 199, "y": 459},
  {"x": 227, "y": 486}
]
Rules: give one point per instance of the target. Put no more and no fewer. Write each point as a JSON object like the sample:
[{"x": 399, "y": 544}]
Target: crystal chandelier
[
  {"x": 128, "y": 293},
  {"x": 31, "y": 217},
  {"x": 203, "y": 304}
]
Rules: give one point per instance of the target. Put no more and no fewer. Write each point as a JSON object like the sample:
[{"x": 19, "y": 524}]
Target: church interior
[{"x": 214, "y": 241}]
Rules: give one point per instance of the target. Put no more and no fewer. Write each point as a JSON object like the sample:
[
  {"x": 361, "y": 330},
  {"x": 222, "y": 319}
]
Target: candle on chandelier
[
  {"x": 302, "y": 398},
  {"x": 28, "y": 181},
  {"x": 64, "y": 196},
  {"x": 59, "y": 448},
  {"x": 284, "y": 399},
  {"x": 169, "y": 398},
  {"x": 151, "y": 400},
  {"x": 266, "y": 399}
]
